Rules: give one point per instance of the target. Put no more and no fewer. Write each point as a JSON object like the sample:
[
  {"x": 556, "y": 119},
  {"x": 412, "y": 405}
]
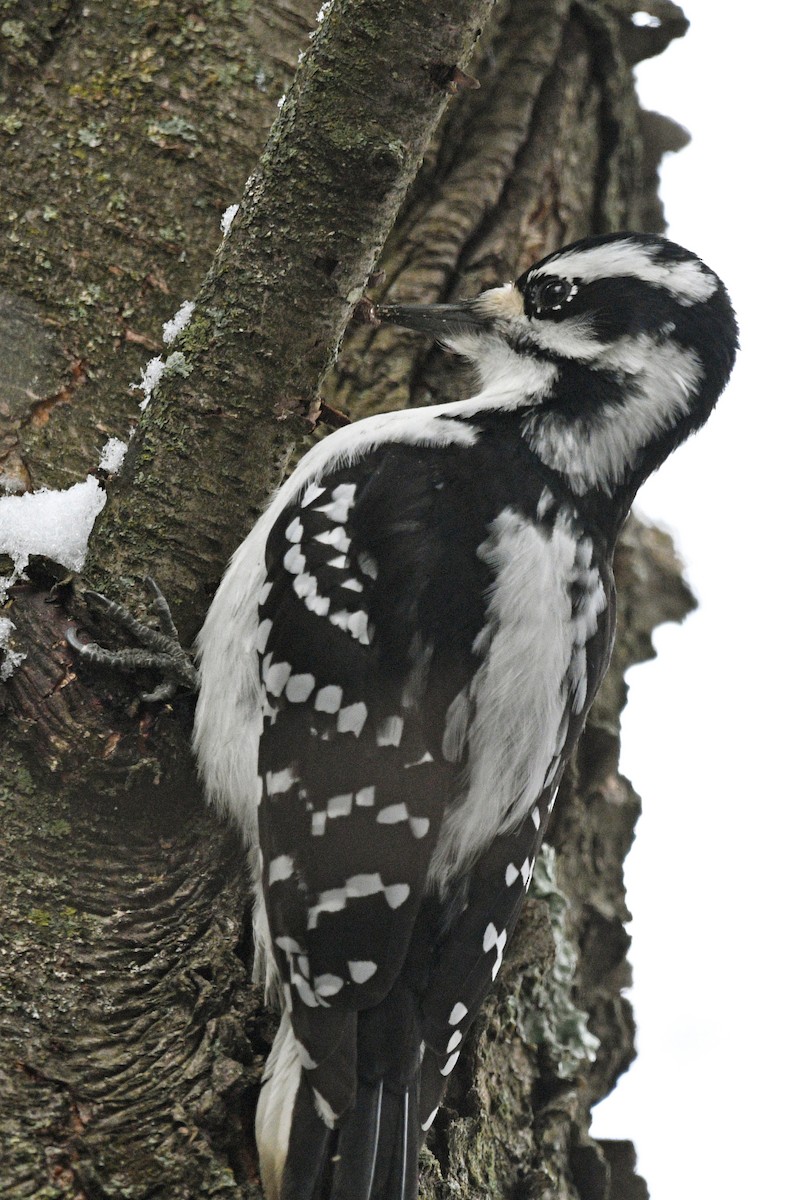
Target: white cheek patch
[
  {"x": 573, "y": 337},
  {"x": 660, "y": 382}
]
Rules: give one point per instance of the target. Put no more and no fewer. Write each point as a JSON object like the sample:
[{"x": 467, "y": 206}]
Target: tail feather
[
  {"x": 396, "y": 1173},
  {"x": 307, "y": 1152},
  {"x": 358, "y": 1146},
  {"x": 432, "y": 1089},
  {"x": 287, "y": 1120}
]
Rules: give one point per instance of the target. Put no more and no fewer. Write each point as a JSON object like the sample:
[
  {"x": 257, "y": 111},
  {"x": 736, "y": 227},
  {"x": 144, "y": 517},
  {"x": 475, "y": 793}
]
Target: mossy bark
[{"x": 132, "y": 1037}]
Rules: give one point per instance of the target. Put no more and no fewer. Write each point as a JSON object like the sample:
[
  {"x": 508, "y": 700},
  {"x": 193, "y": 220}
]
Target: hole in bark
[
  {"x": 326, "y": 263},
  {"x": 244, "y": 948}
]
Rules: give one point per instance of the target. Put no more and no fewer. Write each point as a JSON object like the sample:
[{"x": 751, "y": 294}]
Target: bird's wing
[{"x": 357, "y": 682}]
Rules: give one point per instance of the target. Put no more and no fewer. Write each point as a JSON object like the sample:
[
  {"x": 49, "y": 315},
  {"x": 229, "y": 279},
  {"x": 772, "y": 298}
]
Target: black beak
[{"x": 438, "y": 320}]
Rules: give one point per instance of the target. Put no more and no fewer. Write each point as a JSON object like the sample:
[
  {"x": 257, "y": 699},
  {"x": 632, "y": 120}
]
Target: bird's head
[{"x": 618, "y": 347}]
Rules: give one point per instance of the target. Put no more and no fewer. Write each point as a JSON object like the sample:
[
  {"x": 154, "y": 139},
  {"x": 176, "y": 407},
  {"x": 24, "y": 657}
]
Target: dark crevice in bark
[{"x": 31, "y": 34}]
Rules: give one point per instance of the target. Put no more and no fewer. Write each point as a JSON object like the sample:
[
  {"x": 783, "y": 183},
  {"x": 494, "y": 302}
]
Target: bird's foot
[{"x": 160, "y": 649}]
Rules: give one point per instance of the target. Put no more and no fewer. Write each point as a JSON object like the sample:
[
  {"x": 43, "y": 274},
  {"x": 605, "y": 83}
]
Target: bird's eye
[{"x": 551, "y": 293}]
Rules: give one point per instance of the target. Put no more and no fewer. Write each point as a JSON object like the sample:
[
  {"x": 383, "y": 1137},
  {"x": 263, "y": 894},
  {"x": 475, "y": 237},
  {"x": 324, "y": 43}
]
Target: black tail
[
  {"x": 371, "y": 1151},
  {"x": 373, "y": 1156},
  {"x": 376, "y": 1155}
]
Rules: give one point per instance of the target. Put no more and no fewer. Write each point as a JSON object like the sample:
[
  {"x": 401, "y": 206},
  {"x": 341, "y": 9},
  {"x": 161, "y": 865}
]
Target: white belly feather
[{"x": 512, "y": 717}]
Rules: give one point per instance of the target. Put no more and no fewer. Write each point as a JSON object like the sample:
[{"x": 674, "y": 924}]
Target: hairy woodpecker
[{"x": 398, "y": 664}]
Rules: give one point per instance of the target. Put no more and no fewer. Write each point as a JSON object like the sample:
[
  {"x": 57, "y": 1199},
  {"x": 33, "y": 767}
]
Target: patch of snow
[
  {"x": 151, "y": 377},
  {"x": 228, "y": 218},
  {"x": 54, "y": 524},
  {"x": 10, "y": 658},
  {"x": 176, "y": 363},
  {"x": 180, "y": 320},
  {"x": 112, "y": 456}
]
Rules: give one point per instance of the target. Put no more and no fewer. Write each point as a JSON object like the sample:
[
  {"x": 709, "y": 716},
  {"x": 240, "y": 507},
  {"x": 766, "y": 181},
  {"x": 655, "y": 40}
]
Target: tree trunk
[{"x": 133, "y": 1039}]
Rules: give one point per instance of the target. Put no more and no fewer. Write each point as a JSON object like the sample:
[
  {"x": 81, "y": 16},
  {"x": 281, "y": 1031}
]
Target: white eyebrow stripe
[{"x": 689, "y": 281}]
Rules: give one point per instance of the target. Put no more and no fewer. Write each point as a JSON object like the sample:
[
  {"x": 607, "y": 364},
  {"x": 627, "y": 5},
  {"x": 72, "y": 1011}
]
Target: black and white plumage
[{"x": 398, "y": 664}]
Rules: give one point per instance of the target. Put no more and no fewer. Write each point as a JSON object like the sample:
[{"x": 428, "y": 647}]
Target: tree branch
[{"x": 350, "y": 136}]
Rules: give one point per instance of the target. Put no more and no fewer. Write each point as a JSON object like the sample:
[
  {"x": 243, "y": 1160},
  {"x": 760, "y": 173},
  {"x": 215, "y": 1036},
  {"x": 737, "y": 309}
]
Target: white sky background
[{"x": 702, "y": 733}]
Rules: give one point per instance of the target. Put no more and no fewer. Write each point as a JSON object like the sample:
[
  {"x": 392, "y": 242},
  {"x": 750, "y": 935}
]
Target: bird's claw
[{"x": 160, "y": 648}]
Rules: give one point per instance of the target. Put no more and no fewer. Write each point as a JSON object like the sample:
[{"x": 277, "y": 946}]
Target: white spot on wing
[
  {"x": 429, "y": 1121},
  {"x": 281, "y": 868},
  {"x": 275, "y": 675},
  {"x": 355, "y": 623},
  {"x": 361, "y": 970},
  {"x": 457, "y": 1013},
  {"x": 289, "y": 945},
  {"x": 312, "y": 493},
  {"x": 278, "y": 782},
  {"x": 352, "y": 718},
  {"x": 335, "y": 537},
  {"x": 326, "y": 1113},
  {"x": 304, "y": 990},
  {"x": 423, "y": 761},
  {"x": 294, "y": 560},
  {"x": 419, "y": 826},
  {"x": 328, "y": 985},
  {"x": 294, "y": 530},
  {"x": 365, "y": 885},
  {"x": 328, "y": 699},
  {"x": 343, "y": 498},
  {"x": 318, "y": 604},
  {"x": 340, "y": 806},
  {"x": 450, "y": 1064},
  {"x": 392, "y": 814},
  {"x": 304, "y": 585},
  {"x": 492, "y": 940},
  {"x": 331, "y": 901},
  {"x": 299, "y": 688},
  {"x": 396, "y": 894},
  {"x": 358, "y": 626}
]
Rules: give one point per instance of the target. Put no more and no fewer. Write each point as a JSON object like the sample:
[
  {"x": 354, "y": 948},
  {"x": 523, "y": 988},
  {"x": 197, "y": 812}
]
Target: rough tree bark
[{"x": 132, "y": 1038}]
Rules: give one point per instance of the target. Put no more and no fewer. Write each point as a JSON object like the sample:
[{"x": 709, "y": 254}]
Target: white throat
[{"x": 659, "y": 381}]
